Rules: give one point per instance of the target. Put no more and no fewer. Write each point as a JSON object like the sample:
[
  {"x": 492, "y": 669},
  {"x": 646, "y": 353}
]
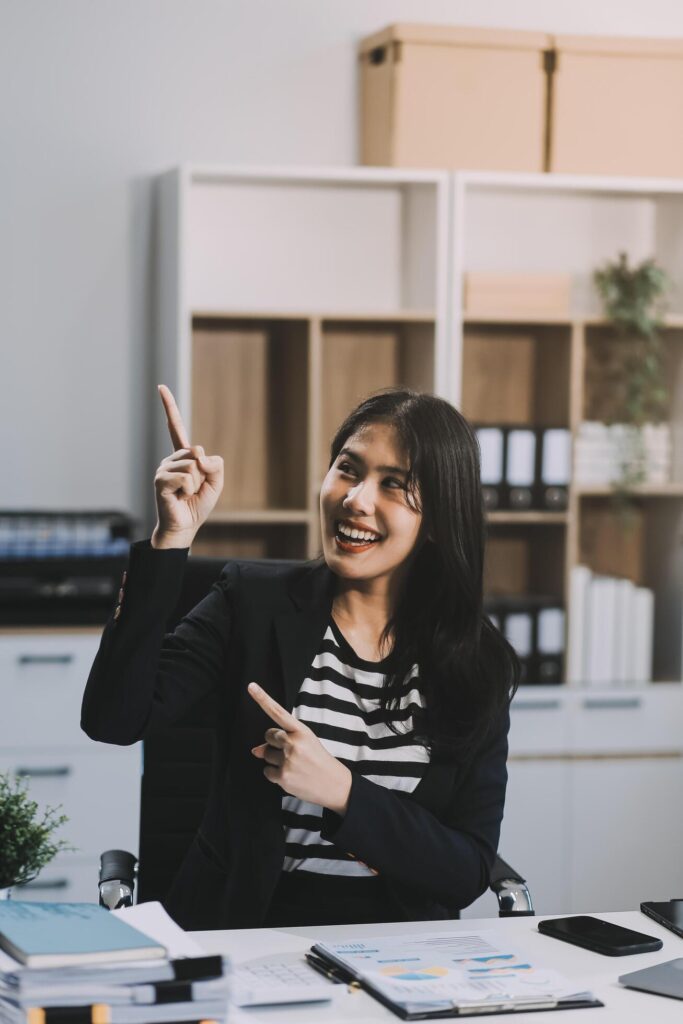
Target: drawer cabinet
[
  {"x": 42, "y": 678},
  {"x": 97, "y": 786},
  {"x": 595, "y": 780}
]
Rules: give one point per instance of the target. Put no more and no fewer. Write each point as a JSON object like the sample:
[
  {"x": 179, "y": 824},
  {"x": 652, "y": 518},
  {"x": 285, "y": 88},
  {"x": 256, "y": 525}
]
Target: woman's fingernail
[{"x": 253, "y": 687}]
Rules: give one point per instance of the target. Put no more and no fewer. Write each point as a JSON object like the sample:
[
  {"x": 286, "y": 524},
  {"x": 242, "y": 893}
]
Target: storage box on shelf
[
  {"x": 520, "y": 101},
  {"x": 613, "y": 105},
  {"x": 336, "y": 289},
  {"x": 434, "y": 96}
]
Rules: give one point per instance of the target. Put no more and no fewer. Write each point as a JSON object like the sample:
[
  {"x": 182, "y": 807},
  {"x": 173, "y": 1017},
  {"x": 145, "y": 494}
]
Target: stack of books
[
  {"x": 76, "y": 962},
  {"x": 611, "y": 630},
  {"x": 609, "y": 454}
]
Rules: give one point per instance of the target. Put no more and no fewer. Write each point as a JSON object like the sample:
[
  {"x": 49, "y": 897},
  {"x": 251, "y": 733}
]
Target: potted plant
[
  {"x": 26, "y": 834},
  {"x": 633, "y": 302}
]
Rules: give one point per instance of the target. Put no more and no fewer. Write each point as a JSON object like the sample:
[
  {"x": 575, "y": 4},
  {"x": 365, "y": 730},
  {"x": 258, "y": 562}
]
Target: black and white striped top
[{"x": 339, "y": 701}]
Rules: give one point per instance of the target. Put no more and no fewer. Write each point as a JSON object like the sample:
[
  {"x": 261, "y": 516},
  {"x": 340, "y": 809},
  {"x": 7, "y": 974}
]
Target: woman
[{"x": 362, "y": 734}]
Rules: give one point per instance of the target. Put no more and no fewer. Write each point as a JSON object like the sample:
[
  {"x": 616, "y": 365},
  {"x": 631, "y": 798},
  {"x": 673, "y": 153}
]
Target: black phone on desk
[
  {"x": 599, "y": 936},
  {"x": 669, "y": 914}
]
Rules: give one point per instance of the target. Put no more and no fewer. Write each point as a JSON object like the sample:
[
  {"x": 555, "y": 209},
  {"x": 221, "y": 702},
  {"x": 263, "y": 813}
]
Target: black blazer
[{"x": 433, "y": 848}]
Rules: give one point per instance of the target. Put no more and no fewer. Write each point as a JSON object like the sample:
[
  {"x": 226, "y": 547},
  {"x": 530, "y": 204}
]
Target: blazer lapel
[{"x": 300, "y": 631}]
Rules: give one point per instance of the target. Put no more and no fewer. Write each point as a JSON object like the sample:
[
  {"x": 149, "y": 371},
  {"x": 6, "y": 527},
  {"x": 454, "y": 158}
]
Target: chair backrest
[{"x": 176, "y": 766}]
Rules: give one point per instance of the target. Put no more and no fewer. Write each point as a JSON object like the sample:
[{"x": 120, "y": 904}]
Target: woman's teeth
[{"x": 359, "y": 536}]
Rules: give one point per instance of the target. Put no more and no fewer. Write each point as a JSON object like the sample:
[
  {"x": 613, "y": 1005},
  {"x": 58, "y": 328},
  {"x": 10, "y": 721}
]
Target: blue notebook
[{"x": 65, "y": 934}]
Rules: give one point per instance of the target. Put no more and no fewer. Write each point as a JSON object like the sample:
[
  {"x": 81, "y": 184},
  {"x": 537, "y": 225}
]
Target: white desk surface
[{"x": 592, "y": 971}]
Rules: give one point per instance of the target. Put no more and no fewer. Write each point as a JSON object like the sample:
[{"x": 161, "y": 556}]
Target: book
[
  {"x": 437, "y": 974},
  {"x": 63, "y": 934}
]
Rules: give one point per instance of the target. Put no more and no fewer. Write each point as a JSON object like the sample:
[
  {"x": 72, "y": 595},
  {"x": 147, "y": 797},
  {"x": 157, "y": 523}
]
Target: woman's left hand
[{"x": 297, "y": 761}]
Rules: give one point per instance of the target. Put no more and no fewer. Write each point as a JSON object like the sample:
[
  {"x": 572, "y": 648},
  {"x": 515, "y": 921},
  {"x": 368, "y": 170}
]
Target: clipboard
[{"x": 342, "y": 971}]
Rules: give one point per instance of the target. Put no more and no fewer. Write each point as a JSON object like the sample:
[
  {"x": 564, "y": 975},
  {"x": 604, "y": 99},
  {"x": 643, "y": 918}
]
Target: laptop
[{"x": 661, "y": 980}]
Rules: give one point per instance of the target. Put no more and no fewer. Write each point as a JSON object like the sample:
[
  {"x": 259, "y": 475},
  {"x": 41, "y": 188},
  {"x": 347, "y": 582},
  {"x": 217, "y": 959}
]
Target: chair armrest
[
  {"x": 514, "y": 898},
  {"x": 117, "y": 879}
]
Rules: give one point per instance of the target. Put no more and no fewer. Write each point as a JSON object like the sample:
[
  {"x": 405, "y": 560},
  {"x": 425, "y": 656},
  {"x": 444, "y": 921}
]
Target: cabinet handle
[
  {"x": 45, "y": 659},
  {"x": 53, "y": 883},
  {"x": 537, "y": 705},
  {"x": 44, "y": 772},
  {"x": 607, "y": 703}
]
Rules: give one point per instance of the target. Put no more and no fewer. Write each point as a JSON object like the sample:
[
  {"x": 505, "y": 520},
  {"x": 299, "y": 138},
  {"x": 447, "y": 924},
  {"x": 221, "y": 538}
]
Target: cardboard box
[
  {"x": 453, "y": 97},
  {"x": 488, "y": 294},
  {"x": 616, "y": 106}
]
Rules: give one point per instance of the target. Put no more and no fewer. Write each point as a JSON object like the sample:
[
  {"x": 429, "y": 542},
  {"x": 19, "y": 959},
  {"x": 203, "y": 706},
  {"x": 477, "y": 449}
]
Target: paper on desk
[
  {"x": 152, "y": 920},
  {"x": 434, "y": 970}
]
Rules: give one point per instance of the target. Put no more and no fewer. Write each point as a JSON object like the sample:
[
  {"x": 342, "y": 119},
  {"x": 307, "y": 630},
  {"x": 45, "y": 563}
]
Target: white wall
[{"x": 99, "y": 96}]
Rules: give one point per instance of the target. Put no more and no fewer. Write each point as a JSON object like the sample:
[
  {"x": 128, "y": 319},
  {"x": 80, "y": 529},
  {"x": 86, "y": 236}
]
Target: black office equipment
[
  {"x": 669, "y": 914},
  {"x": 61, "y": 568}
]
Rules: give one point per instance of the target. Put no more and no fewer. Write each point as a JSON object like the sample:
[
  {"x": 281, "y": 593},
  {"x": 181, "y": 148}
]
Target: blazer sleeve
[
  {"x": 448, "y": 858},
  {"x": 142, "y": 678}
]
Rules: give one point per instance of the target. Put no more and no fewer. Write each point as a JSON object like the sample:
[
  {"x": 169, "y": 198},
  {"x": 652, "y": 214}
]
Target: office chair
[{"x": 175, "y": 784}]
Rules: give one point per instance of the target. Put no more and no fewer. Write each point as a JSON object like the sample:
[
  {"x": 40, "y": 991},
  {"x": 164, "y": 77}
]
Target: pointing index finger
[
  {"x": 176, "y": 427},
  {"x": 274, "y": 710}
]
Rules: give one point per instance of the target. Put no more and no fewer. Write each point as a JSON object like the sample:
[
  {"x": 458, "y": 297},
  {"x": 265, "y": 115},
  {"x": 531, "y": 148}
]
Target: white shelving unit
[{"x": 300, "y": 290}]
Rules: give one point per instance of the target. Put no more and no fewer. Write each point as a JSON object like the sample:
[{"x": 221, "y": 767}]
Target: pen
[{"x": 334, "y": 974}]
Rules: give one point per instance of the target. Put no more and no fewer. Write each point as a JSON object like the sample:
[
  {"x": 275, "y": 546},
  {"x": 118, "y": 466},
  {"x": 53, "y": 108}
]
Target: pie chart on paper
[{"x": 400, "y": 973}]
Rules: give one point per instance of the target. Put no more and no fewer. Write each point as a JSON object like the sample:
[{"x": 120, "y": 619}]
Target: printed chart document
[{"x": 441, "y": 975}]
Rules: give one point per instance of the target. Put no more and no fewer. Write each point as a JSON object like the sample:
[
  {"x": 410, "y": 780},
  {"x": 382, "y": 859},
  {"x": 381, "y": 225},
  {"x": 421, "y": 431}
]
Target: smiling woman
[{"x": 363, "y": 779}]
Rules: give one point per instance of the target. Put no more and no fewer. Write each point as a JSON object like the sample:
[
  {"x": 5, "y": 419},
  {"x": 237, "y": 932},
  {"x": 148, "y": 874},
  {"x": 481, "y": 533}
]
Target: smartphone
[
  {"x": 599, "y": 936},
  {"x": 669, "y": 914}
]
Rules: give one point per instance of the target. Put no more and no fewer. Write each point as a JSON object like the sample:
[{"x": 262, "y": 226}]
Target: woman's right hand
[{"x": 187, "y": 484}]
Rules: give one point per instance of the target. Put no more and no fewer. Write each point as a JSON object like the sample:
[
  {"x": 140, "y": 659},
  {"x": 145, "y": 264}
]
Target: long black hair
[{"x": 468, "y": 671}]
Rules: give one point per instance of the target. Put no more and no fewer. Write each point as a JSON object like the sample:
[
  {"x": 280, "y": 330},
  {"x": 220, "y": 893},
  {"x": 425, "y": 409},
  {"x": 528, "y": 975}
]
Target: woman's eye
[
  {"x": 393, "y": 483},
  {"x": 345, "y": 467}
]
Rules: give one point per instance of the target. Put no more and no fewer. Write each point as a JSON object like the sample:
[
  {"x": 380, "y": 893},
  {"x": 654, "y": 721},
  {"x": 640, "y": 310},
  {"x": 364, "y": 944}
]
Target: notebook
[{"x": 64, "y": 934}]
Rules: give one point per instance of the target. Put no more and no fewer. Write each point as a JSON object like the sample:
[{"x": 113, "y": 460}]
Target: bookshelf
[
  {"x": 286, "y": 295},
  {"x": 560, "y": 370}
]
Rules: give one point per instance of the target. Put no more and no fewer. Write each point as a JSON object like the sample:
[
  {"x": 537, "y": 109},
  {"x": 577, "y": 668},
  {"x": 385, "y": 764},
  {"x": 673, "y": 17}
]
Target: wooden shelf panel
[
  {"x": 528, "y": 518},
  {"x": 259, "y": 516},
  {"x": 670, "y": 490},
  {"x": 672, "y": 321},
  {"x": 417, "y": 316}
]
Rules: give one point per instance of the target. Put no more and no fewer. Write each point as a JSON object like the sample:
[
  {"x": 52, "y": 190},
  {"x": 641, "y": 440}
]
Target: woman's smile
[{"x": 370, "y": 526}]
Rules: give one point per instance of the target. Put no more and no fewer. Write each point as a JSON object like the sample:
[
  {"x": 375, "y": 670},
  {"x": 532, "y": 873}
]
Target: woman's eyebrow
[{"x": 382, "y": 469}]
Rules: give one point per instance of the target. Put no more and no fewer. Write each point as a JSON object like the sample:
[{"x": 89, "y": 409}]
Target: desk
[{"x": 592, "y": 970}]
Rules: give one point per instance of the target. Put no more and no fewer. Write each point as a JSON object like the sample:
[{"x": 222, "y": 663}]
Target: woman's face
[{"x": 365, "y": 492}]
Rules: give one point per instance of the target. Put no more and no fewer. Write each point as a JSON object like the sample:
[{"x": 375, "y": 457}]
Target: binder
[
  {"x": 555, "y": 469},
  {"x": 492, "y": 449},
  {"x": 550, "y": 630},
  {"x": 518, "y": 627},
  {"x": 520, "y": 468},
  {"x": 534, "y": 625}
]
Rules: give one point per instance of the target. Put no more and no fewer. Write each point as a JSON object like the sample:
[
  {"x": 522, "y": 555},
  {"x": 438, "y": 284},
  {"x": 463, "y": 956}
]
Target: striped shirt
[{"x": 339, "y": 701}]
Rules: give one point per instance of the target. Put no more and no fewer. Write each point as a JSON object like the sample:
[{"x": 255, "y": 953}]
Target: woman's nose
[{"x": 360, "y": 499}]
